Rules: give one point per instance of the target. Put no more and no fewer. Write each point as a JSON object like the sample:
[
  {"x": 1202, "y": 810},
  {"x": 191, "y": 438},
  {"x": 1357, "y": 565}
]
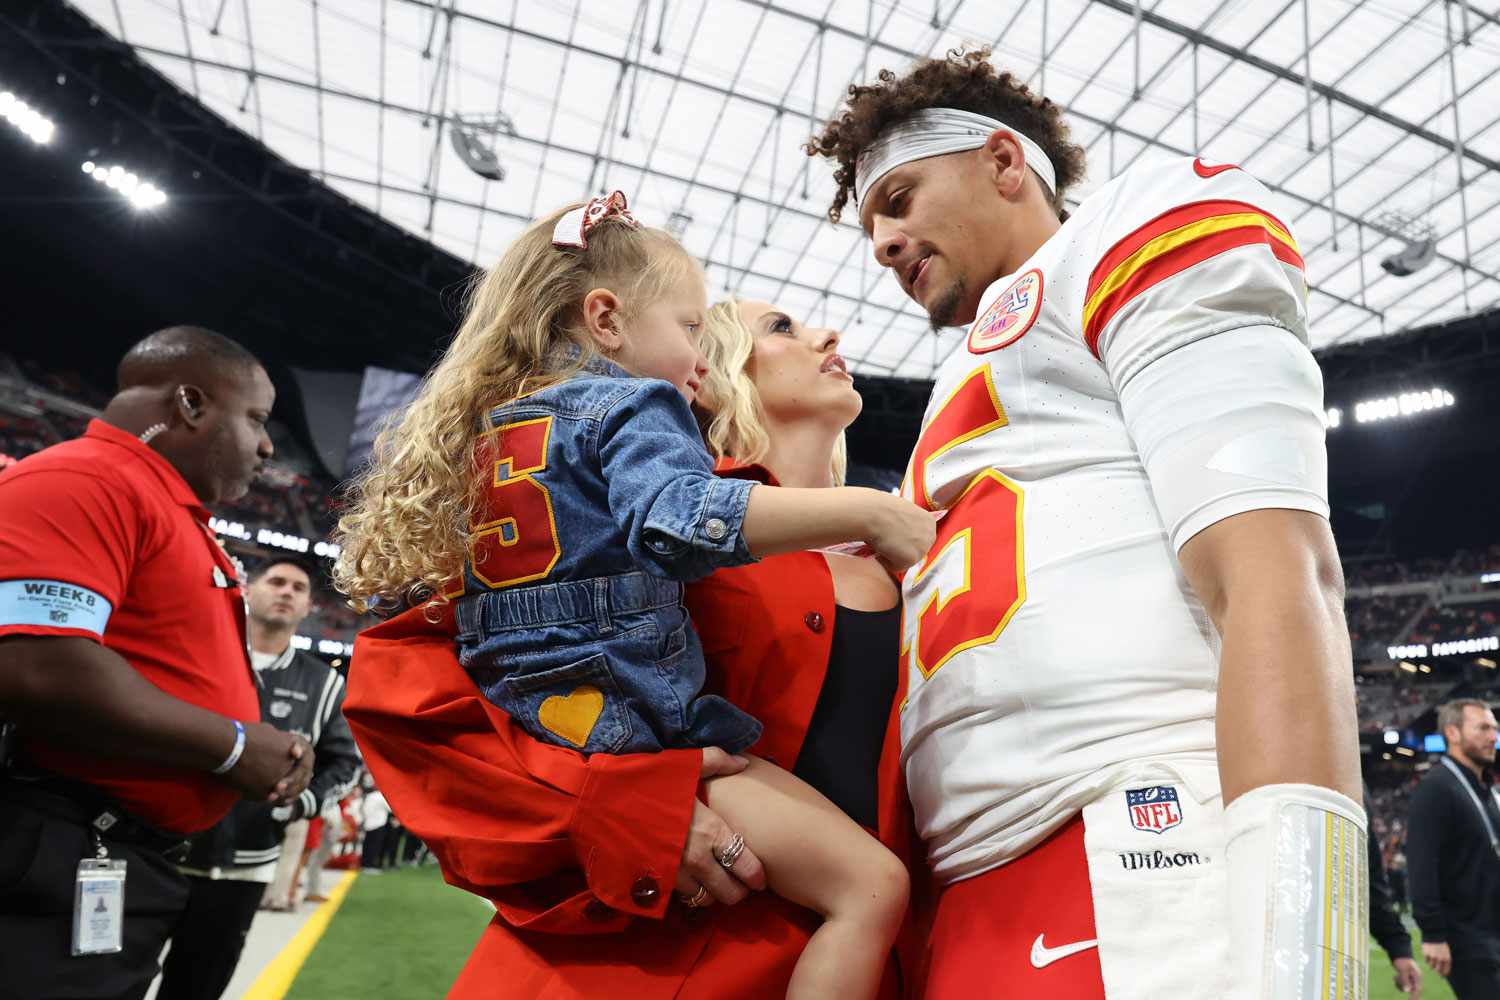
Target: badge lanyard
[
  {"x": 99, "y": 903},
  {"x": 1489, "y": 827}
]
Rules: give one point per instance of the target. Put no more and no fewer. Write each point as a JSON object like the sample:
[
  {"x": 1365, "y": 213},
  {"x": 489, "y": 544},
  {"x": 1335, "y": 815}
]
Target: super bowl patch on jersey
[
  {"x": 1155, "y": 809},
  {"x": 1009, "y": 316}
]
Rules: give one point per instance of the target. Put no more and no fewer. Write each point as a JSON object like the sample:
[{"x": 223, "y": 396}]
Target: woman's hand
[
  {"x": 900, "y": 532},
  {"x": 708, "y": 836}
]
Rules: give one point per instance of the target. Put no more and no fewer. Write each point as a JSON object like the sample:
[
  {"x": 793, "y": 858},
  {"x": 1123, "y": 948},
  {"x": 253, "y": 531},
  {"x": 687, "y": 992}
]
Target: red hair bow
[{"x": 572, "y": 230}]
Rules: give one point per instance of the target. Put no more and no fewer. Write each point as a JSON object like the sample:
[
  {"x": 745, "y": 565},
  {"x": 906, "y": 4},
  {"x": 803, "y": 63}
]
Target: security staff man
[{"x": 123, "y": 667}]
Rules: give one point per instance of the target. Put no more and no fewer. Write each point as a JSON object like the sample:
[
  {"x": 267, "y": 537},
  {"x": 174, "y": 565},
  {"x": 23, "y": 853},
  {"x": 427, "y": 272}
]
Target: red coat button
[
  {"x": 644, "y": 891},
  {"x": 814, "y": 621}
]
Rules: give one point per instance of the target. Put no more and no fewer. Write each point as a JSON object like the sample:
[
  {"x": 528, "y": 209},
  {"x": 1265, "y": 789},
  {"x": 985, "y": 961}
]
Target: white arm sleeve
[{"x": 1229, "y": 423}]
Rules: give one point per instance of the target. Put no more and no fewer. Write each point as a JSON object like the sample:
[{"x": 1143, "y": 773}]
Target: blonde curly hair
[
  {"x": 405, "y": 535},
  {"x": 736, "y": 422}
]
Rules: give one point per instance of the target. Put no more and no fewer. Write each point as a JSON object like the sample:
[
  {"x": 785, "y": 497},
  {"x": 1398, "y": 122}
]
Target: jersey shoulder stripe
[{"x": 1169, "y": 244}]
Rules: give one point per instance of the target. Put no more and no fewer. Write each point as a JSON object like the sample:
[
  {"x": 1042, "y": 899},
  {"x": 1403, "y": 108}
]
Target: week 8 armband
[
  {"x": 53, "y": 604},
  {"x": 1299, "y": 893}
]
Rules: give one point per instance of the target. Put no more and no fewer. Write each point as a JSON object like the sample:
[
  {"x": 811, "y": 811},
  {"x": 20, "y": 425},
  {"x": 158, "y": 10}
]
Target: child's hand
[{"x": 900, "y": 532}]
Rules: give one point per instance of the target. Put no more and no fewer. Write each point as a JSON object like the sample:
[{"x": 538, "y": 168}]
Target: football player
[{"x": 1129, "y": 735}]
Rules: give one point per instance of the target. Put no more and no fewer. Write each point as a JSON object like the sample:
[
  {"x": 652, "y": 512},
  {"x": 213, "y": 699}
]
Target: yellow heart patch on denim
[{"x": 572, "y": 716}]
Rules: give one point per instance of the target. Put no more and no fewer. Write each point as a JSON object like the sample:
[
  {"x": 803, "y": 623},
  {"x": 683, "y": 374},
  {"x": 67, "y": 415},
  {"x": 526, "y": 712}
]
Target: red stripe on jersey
[
  {"x": 1167, "y": 221},
  {"x": 1177, "y": 260}
]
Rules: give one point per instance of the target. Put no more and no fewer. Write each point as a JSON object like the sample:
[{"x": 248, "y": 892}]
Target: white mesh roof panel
[{"x": 699, "y": 108}]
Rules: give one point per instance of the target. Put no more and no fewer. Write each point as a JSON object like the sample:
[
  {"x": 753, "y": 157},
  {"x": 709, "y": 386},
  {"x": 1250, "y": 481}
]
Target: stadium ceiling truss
[{"x": 1346, "y": 109}]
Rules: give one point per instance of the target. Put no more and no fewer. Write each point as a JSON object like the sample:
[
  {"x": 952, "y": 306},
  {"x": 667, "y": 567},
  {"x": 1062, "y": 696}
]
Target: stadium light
[
  {"x": 1408, "y": 404},
  {"x": 1334, "y": 417},
  {"x": 141, "y": 194},
  {"x": 36, "y": 126},
  {"x": 1392, "y": 737}
]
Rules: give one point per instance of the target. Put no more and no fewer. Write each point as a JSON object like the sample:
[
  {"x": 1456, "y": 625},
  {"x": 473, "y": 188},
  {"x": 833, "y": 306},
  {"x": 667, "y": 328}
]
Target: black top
[
  {"x": 841, "y": 752},
  {"x": 1454, "y": 873},
  {"x": 1385, "y": 922}
]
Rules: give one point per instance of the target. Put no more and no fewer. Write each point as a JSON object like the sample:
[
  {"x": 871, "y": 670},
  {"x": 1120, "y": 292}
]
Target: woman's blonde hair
[
  {"x": 406, "y": 531},
  {"x": 737, "y": 425}
]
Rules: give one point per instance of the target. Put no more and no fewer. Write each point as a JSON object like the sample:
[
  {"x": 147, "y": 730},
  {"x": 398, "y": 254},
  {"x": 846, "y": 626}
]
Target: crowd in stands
[
  {"x": 20, "y": 436},
  {"x": 1384, "y": 703},
  {"x": 1445, "y": 622},
  {"x": 1472, "y": 562},
  {"x": 1378, "y": 619},
  {"x": 1358, "y": 576}
]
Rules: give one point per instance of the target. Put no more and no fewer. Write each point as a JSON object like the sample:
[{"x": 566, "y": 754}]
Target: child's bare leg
[{"x": 817, "y": 857}]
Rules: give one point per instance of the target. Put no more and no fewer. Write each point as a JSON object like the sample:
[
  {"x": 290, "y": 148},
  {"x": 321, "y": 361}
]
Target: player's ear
[
  {"x": 601, "y": 315},
  {"x": 1005, "y": 164}
]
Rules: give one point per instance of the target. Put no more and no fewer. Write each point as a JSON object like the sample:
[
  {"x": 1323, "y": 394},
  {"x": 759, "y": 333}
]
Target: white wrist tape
[{"x": 1299, "y": 894}]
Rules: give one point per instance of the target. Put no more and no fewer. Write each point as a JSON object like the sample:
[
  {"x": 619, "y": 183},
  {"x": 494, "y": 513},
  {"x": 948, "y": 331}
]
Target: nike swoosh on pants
[{"x": 1042, "y": 956}]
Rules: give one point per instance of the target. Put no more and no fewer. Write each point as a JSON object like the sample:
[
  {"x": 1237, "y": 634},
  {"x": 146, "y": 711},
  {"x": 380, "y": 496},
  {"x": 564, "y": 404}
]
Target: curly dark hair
[{"x": 964, "y": 80}]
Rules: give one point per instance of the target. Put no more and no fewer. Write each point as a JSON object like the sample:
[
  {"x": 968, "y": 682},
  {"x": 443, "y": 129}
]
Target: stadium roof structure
[{"x": 1345, "y": 108}]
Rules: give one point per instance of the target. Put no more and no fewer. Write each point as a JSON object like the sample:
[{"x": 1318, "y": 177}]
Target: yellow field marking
[{"x": 276, "y": 978}]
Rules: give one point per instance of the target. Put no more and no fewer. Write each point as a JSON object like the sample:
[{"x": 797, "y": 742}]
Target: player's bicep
[
  {"x": 1286, "y": 551},
  {"x": 66, "y": 554}
]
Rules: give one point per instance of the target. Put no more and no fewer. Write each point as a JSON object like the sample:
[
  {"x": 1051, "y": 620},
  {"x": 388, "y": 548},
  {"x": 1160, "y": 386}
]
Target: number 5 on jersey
[
  {"x": 514, "y": 538},
  {"x": 973, "y": 580}
]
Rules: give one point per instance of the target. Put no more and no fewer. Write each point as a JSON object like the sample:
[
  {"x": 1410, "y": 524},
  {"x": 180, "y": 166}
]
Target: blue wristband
[{"x": 239, "y": 748}]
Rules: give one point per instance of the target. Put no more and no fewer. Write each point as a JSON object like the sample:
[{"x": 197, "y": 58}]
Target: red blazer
[{"x": 580, "y": 854}]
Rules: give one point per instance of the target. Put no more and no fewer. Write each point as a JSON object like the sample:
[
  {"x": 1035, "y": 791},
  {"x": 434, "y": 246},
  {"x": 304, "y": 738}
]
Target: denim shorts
[{"x": 607, "y": 665}]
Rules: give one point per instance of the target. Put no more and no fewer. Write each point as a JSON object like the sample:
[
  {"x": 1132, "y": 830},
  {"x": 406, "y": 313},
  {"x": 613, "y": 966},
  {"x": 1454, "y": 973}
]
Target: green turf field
[
  {"x": 403, "y": 935},
  {"x": 400, "y": 935}
]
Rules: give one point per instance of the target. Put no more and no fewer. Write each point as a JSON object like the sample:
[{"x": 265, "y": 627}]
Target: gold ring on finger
[{"x": 697, "y": 899}]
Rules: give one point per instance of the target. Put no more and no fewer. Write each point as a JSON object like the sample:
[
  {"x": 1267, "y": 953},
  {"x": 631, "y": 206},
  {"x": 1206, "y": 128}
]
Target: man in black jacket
[
  {"x": 1385, "y": 921},
  {"x": 229, "y": 865},
  {"x": 1453, "y": 855}
]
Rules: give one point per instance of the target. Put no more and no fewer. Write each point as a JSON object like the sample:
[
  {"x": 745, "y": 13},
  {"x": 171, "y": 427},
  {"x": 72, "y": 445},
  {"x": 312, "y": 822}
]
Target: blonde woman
[
  {"x": 579, "y": 854},
  {"x": 561, "y": 408}
]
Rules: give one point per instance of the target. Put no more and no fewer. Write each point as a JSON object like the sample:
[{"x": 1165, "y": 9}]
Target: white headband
[{"x": 937, "y": 132}]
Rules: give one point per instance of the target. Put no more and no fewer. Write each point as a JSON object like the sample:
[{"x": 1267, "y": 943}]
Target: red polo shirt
[{"x": 104, "y": 539}]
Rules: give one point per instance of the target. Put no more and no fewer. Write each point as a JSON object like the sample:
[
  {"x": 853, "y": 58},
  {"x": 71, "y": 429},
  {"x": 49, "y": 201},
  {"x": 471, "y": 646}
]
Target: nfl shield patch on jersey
[
  {"x": 1009, "y": 316},
  {"x": 1154, "y": 809}
]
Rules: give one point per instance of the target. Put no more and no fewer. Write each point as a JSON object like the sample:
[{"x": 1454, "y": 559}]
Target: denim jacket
[{"x": 602, "y": 500}]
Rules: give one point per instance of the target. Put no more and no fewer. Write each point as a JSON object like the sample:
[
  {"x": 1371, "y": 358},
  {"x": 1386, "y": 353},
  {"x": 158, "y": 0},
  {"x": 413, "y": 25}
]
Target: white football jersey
[{"x": 1050, "y": 637}]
